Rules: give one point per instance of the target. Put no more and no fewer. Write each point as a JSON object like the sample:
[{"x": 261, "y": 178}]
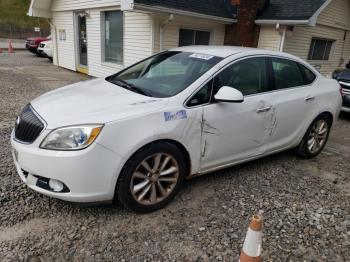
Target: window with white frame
[
  {"x": 320, "y": 49},
  {"x": 113, "y": 36},
  {"x": 193, "y": 37}
]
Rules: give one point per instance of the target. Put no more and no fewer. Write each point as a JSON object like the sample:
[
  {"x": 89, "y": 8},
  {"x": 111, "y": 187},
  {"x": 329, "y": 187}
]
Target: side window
[
  {"x": 202, "y": 96},
  {"x": 286, "y": 73},
  {"x": 308, "y": 75},
  {"x": 248, "y": 76}
]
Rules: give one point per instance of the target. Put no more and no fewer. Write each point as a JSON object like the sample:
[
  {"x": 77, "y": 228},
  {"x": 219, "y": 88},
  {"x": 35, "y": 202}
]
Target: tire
[
  {"x": 146, "y": 170},
  {"x": 307, "y": 151}
]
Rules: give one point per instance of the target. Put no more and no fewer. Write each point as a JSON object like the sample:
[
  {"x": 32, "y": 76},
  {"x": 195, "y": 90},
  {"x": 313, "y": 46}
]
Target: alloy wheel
[
  {"x": 154, "y": 179},
  {"x": 318, "y": 136}
]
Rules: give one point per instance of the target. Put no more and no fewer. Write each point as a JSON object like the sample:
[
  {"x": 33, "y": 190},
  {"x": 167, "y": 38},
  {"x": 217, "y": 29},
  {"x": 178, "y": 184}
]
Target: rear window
[{"x": 308, "y": 75}]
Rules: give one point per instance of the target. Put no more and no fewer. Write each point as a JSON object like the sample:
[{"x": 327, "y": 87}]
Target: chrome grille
[
  {"x": 28, "y": 126},
  {"x": 344, "y": 85}
]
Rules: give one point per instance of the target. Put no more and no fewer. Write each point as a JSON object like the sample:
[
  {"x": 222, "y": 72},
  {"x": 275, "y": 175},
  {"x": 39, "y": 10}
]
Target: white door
[
  {"x": 292, "y": 102},
  {"x": 232, "y": 132}
]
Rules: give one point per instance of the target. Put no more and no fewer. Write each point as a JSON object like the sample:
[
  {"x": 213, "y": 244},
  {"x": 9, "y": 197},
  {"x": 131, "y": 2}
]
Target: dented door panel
[
  {"x": 289, "y": 117},
  {"x": 233, "y": 131}
]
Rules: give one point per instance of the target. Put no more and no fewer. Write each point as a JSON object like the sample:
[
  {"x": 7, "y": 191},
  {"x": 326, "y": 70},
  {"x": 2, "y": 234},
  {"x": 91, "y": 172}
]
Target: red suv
[{"x": 32, "y": 43}]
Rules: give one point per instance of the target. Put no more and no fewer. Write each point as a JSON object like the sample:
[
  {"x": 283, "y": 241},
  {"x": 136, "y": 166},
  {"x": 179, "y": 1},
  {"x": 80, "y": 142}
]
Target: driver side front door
[{"x": 233, "y": 132}]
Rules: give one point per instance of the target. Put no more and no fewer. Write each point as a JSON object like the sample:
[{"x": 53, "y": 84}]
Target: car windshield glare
[{"x": 165, "y": 74}]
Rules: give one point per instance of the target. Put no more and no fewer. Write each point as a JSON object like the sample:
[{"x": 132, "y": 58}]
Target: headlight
[{"x": 71, "y": 138}]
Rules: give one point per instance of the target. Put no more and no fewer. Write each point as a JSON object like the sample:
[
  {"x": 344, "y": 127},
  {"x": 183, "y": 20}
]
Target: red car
[{"x": 32, "y": 43}]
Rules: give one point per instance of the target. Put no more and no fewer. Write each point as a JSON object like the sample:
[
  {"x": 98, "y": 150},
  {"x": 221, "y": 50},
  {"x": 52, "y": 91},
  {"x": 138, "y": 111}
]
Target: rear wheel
[
  {"x": 152, "y": 177},
  {"x": 315, "y": 138}
]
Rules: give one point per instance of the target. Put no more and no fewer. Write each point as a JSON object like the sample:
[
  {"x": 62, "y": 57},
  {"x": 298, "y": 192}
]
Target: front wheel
[
  {"x": 315, "y": 138},
  {"x": 151, "y": 178}
]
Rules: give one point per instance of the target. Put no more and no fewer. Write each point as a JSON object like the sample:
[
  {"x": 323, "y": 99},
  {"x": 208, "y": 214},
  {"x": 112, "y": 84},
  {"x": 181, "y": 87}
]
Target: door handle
[
  {"x": 263, "y": 109},
  {"x": 310, "y": 98}
]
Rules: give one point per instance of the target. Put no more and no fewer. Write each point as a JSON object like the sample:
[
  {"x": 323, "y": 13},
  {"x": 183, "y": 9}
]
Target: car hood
[
  {"x": 46, "y": 42},
  {"x": 37, "y": 38},
  {"x": 94, "y": 101},
  {"x": 343, "y": 75}
]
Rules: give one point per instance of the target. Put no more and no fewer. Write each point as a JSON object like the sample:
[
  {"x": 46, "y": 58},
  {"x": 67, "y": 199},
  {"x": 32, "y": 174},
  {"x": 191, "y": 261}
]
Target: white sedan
[{"x": 137, "y": 135}]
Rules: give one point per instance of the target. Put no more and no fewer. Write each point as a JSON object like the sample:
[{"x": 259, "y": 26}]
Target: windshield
[{"x": 165, "y": 74}]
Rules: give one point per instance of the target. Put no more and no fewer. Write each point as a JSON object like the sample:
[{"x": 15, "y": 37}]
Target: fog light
[{"x": 56, "y": 185}]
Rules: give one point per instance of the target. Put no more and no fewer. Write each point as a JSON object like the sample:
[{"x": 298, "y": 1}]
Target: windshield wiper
[{"x": 131, "y": 87}]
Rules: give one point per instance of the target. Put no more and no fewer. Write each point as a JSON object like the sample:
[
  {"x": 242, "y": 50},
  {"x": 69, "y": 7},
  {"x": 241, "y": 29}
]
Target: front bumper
[
  {"x": 41, "y": 52},
  {"x": 90, "y": 174},
  {"x": 32, "y": 48}
]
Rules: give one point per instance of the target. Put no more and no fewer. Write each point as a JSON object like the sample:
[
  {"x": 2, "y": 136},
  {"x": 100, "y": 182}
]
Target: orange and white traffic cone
[
  {"x": 251, "y": 251},
  {"x": 10, "y": 49}
]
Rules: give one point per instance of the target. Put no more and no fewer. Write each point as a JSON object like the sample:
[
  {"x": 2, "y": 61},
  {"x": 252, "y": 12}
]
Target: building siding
[
  {"x": 65, "y": 5},
  {"x": 66, "y": 54},
  {"x": 171, "y": 30},
  {"x": 337, "y": 14},
  {"x": 141, "y": 37},
  {"x": 332, "y": 24},
  {"x": 137, "y": 41},
  {"x": 137, "y": 36},
  {"x": 269, "y": 38},
  {"x": 347, "y": 50},
  {"x": 299, "y": 45}
]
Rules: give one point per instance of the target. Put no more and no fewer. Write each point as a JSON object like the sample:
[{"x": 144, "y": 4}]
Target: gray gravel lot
[{"x": 305, "y": 204}]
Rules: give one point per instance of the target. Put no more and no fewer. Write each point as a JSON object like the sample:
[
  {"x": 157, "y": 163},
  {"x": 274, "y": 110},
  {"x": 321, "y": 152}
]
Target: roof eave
[
  {"x": 312, "y": 21},
  {"x": 282, "y": 22},
  {"x": 162, "y": 9},
  {"x": 38, "y": 12}
]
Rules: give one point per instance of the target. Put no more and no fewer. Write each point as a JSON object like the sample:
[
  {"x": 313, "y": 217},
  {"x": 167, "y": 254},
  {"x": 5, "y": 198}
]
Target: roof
[
  {"x": 220, "y": 51},
  {"x": 226, "y": 51},
  {"x": 209, "y": 7},
  {"x": 292, "y": 10}
]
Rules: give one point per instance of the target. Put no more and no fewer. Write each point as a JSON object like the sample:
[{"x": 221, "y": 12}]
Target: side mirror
[{"x": 229, "y": 94}]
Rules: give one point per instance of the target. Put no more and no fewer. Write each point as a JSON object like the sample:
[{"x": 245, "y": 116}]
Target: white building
[
  {"x": 317, "y": 31},
  {"x": 100, "y": 37}
]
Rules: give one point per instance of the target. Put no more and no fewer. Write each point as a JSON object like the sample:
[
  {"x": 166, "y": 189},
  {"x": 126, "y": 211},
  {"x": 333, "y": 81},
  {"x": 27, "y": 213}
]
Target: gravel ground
[{"x": 305, "y": 204}]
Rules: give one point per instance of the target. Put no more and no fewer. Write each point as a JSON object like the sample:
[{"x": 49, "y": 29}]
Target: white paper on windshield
[{"x": 202, "y": 56}]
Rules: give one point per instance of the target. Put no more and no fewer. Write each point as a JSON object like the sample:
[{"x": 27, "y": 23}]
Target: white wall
[
  {"x": 66, "y": 49},
  {"x": 299, "y": 45},
  {"x": 337, "y": 14},
  {"x": 171, "y": 30},
  {"x": 141, "y": 34},
  {"x": 269, "y": 38},
  {"x": 68, "y": 5},
  {"x": 137, "y": 42},
  {"x": 331, "y": 24}
]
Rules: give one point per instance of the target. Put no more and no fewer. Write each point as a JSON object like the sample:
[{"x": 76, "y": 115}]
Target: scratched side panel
[
  {"x": 187, "y": 131},
  {"x": 127, "y": 136}
]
